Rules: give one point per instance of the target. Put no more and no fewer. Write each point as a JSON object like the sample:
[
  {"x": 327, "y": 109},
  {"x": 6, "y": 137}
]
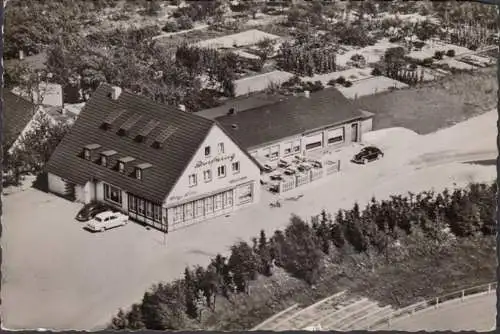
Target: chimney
[
  {"x": 182, "y": 107},
  {"x": 115, "y": 92},
  {"x": 307, "y": 93},
  {"x": 21, "y": 54}
]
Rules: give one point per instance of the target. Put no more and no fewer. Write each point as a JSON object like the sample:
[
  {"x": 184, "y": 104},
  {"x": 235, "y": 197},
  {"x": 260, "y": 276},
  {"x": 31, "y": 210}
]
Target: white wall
[
  {"x": 56, "y": 184},
  {"x": 249, "y": 171},
  {"x": 367, "y": 125}
]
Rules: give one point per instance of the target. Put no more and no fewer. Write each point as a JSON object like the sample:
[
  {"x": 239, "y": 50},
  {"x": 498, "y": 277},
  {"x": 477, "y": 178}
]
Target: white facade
[
  {"x": 326, "y": 138},
  {"x": 219, "y": 179}
]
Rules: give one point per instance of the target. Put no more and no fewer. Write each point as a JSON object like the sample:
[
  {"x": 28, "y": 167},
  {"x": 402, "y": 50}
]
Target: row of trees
[
  {"x": 306, "y": 60},
  {"x": 379, "y": 231}
]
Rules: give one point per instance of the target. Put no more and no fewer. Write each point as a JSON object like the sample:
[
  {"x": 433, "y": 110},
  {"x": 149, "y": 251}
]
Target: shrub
[
  {"x": 171, "y": 26},
  {"x": 347, "y": 83},
  {"x": 184, "y": 23},
  {"x": 450, "y": 53},
  {"x": 341, "y": 80},
  {"x": 376, "y": 71},
  {"x": 331, "y": 82},
  {"x": 438, "y": 55},
  {"x": 394, "y": 39},
  {"x": 427, "y": 61},
  {"x": 473, "y": 47},
  {"x": 418, "y": 44}
]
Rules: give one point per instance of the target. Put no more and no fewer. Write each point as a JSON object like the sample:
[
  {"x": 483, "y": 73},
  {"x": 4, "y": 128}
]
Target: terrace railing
[{"x": 461, "y": 295}]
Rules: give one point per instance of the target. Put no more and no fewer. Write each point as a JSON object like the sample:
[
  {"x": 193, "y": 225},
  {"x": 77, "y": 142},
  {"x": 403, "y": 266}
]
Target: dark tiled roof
[
  {"x": 241, "y": 104},
  {"x": 293, "y": 116},
  {"x": 17, "y": 114},
  {"x": 168, "y": 162}
]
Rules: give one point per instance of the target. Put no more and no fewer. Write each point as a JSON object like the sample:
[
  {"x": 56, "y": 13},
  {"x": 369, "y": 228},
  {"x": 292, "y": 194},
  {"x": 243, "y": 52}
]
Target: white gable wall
[{"x": 249, "y": 171}]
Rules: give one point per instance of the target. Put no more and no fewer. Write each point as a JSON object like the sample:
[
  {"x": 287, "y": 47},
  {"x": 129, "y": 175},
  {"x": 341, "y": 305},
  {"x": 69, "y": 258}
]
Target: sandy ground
[
  {"x": 58, "y": 276},
  {"x": 476, "y": 313}
]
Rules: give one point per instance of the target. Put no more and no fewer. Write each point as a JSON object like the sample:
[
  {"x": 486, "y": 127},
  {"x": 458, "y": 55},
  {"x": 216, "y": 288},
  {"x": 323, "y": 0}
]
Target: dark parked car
[
  {"x": 90, "y": 210},
  {"x": 367, "y": 154}
]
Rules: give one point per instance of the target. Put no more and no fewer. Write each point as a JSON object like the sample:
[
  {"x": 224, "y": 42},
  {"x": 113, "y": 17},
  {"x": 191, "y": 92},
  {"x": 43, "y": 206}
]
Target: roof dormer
[
  {"x": 105, "y": 157},
  {"x": 140, "y": 169},
  {"x": 123, "y": 163},
  {"x": 89, "y": 151}
]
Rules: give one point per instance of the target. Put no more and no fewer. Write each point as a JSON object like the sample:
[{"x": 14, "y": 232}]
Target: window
[
  {"x": 207, "y": 151},
  {"x": 207, "y": 175},
  {"x": 112, "y": 194},
  {"x": 132, "y": 204},
  {"x": 220, "y": 148},
  {"x": 245, "y": 194},
  {"x": 288, "y": 148},
  {"x": 178, "y": 214},
  {"x": 218, "y": 202},
  {"x": 149, "y": 209},
  {"x": 157, "y": 213},
  {"x": 141, "y": 207},
  {"x": 188, "y": 211},
  {"x": 198, "y": 209},
  {"x": 209, "y": 205},
  {"x": 236, "y": 167},
  {"x": 221, "y": 171},
  {"x": 228, "y": 199},
  {"x": 296, "y": 146},
  {"x": 267, "y": 153},
  {"x": 275, "y": 151},
  {"x": 86, "y": 154},
  {"x": 192, "y": 180},
  {"x": 121, "y": 167},
  {"x": 104, "y": 161},
  {"x": 138, "y": 173},
  {"x": 336, "y": 136}
]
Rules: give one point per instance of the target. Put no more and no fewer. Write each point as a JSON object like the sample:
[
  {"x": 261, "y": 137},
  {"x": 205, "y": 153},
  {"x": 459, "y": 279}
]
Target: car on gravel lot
[
  {"x": 367, "y": 154},
  {"x": 106, "y": 220},
  {"x": 90, "y": 210}
]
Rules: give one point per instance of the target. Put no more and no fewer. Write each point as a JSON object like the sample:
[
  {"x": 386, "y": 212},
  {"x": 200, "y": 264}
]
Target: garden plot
[
  {"x": 245, "y": 38},
  {"x": 371, "y": 53},
  {"x": 352, "y": 74},
  {"x": 430, "y": 48},
  {"x": 455, "y": 64},
  {"x": 370, "y": 86},
  {"x": 476, "y": 60},
  {"x": 260, "y": 82}
]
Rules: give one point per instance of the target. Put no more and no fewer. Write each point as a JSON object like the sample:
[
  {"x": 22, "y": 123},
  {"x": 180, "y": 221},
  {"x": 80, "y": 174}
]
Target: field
[{"x": 440, "y": 104}]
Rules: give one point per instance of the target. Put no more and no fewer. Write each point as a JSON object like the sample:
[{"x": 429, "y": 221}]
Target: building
[
  {"x": 17, "y": 115},
  {"x": 298, "y": 125},
  {"x": 160, "y": 165}
]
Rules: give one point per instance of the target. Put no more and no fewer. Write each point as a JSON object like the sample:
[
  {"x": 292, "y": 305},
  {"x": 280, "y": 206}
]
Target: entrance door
[{"x": 354, "y": 132}]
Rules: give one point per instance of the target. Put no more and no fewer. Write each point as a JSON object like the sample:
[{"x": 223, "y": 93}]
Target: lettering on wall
[
  {"x": 238, "y": 179},
  {"x": 179, "y": 197},
  {"x": 217, "y": 159}
]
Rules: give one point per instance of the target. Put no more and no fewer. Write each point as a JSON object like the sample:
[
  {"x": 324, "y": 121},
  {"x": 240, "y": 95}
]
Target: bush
[
  {"x": 418, "y": 44},
  {"x": 171, "y": 26},
  {"x": 473, "y": 47},
  {"x": 376, "y": 71},
  {"x": 331, "y": 82},
  {"x": 394, "y": 39},
  {"x": 184, "y": 23},
  {"x": 341, "y": 80},
  {"x": 347, "y": 83},
  {"x": 438, "y": 55},
  {"x": 427, "y": 61},
  {"x": 450, "y": 53}
]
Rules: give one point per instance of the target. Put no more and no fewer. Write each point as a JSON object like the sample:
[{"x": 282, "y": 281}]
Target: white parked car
[{"x": 106, "y": 220}]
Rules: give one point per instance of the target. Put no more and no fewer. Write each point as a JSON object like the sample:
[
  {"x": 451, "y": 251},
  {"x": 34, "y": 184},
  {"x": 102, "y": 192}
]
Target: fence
[
  {"x": 434, "y": 302},
  {"x": 332, "y": 167}
]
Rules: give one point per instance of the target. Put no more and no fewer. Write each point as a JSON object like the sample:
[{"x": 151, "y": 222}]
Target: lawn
[{"x": 435, "y": 105}]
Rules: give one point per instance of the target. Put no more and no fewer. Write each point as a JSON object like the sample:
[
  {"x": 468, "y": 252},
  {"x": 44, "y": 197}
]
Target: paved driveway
[{"x": 473, "y": 314}]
